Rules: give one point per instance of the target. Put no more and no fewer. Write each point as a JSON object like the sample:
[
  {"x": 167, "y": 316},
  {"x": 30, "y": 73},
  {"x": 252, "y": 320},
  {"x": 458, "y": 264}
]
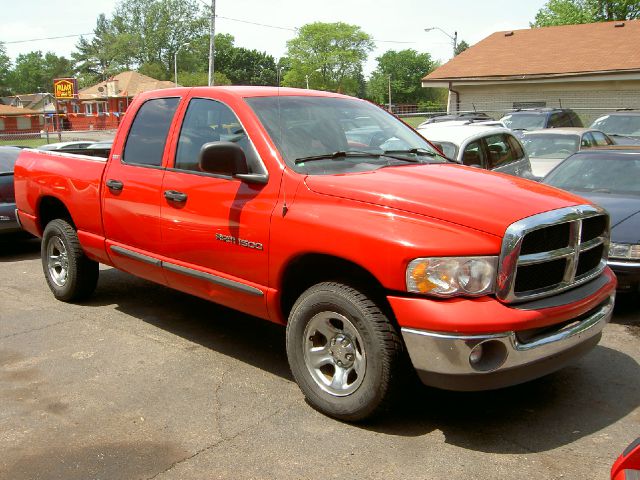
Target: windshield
[
  {"x": 524, "y": 121},
  {"x": 595, "y": 173},
  {"x": 324, "y": 135},
  {"x": 619, "y": 125},
  {"x": 550, "y": 146}
]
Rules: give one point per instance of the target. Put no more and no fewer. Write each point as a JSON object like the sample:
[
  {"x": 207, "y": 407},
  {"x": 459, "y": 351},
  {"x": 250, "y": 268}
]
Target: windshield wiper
[
  {"x": 416, "y": 151},
  {"x": 336, "y": 155}
]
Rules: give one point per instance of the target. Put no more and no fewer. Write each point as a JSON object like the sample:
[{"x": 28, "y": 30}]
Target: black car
[
  {"x": 611, "y": 179},
  {"x": 537, "y": 118},
  {"x": 623, "y": 126},
  {"x": 8, "y": 222}
]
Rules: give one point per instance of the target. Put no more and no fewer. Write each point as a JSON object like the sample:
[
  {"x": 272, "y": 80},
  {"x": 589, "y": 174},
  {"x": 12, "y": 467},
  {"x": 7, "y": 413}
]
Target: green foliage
[
  {"x": 34, "y": 72},
  {"x": 570, "y": 12},
  {"x": 5, "y": 69},
  {"x": 201, "y": 79},
  {"x": 329, "y": 55},
  {"x": 407, "y": 68},
  {"x": 461, "y": 47}
]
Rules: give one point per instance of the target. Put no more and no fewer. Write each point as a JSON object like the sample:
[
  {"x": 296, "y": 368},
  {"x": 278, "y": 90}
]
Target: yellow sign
[{"x": 65, "y": 88}]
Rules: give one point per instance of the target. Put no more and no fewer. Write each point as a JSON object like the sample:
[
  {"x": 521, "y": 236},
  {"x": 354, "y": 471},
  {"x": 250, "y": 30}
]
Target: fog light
[
  {"x": 476, "y": 355},
  {"x": 488, "y": 356}
]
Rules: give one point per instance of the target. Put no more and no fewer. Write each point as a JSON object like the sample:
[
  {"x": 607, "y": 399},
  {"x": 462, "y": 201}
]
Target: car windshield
[
  {"x": 326, "y": 135},
  {"x": 550, "y": 146},
  {"x": 619, "y": 125},
  {"x": 597, "y": 173},
  {"x": 524, "y": 121}
]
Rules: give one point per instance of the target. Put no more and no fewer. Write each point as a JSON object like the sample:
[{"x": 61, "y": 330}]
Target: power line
[{"x": 47, "y": 38}]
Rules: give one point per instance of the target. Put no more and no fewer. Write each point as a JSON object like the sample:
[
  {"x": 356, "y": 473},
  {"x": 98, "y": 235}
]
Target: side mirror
[{"x": 223, "y": 158}]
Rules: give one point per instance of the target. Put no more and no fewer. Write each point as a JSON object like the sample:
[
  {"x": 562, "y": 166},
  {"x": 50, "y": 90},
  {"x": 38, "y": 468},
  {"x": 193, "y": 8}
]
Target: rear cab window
[{"x": 148, "y": 133}]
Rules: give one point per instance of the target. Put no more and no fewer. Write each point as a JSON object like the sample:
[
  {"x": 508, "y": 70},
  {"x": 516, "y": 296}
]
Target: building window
[
  {"x": 522, "y": 105},
  {"x": 120, "y": 106},
  {"x": 75, "y": 107},
  {"x": 24, "y": 123},
  {"x": 101, "y": 108},
  {"x": 88, "y": 108}
]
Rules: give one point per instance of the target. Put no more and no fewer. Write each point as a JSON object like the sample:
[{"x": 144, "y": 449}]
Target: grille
[{"x": 551, "y": 252}]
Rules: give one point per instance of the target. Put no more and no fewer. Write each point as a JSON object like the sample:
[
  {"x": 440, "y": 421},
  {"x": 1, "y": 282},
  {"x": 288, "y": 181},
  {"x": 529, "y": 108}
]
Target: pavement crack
[
  {"x": 36, "y": 329},
  {"x": 222, "y": 440}
]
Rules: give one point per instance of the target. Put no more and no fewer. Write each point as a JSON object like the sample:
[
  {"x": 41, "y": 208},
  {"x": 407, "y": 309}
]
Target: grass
[
  {"x": 25, "y": 142},
  {"x": 414, "y": 121}
]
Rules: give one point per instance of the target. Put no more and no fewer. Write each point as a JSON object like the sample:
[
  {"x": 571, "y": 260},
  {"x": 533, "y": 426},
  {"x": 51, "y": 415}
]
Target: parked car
[
  {"x": 461, "y": 116},
  {"x": 623, "y": 126},
  {"x": 537, "y": 118},
  {"x": 611, "y": 179},
  {"x": 375, "y": 260},
  {"x": 77, "y": 145},
  {"x": 8, "y": 222},
  {"x": 627, "y": 465},
  {"x": 100, "y": 149},
  {"x": 485, "y": 146},
  {"x": 548, "y": 147}
]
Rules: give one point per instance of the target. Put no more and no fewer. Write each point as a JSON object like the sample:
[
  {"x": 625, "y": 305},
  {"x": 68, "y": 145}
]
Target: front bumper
[{"x": 444, "y": 360}]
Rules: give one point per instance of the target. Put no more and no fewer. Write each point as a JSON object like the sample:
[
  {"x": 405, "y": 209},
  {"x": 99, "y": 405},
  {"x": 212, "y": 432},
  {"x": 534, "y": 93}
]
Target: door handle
[
  {"x": 115, "y": 185},
  {"x": 175, "y": 196}
]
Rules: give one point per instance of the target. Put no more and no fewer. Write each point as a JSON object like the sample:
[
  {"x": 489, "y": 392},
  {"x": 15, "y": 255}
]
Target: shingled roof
[
  {"x": 9, "y": 110},
  {"x": 568, "y": 50},
  {"x": 129, "y": 84}
]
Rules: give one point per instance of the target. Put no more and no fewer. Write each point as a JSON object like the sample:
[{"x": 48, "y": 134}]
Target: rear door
[{"x": 132, "y": 193}]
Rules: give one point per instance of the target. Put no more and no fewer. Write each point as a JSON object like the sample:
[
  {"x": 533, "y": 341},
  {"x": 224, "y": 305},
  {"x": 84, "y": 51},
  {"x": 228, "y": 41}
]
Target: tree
[
  {"x": 460, "y": 47},
  {"x": 330, "y": 55},
  {"x": 571, "y": 12},
  {"x": 406, "y": 68},
  {"x": 5, "y": 70},
  {"x": 35, "y": 72}
]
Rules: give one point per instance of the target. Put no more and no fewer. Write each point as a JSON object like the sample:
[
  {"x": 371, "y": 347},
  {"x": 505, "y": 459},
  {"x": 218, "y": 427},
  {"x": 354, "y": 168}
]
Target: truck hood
[{"x": 482, "y": 200}]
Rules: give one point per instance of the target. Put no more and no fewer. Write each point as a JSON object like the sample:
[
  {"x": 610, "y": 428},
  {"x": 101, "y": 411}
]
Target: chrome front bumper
[{"x": 444, "y": 360}]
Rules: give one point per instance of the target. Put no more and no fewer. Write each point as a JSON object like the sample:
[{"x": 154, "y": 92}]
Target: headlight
[
  {"x": 452, "y": 276},
  {"x": 624, "y": 251}
]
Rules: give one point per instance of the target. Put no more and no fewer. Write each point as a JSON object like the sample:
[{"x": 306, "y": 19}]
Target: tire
[
  {"x": 344, "y": 353},
  {"x": 71, "y": 276}
]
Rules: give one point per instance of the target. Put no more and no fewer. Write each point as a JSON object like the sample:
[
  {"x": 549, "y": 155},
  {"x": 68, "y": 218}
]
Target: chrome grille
[{"x": 551, "y": 252}]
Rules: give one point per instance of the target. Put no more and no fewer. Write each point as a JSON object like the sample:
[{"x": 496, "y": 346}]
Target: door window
[
  {"x": 473, "y": 154},
  {"x": 601, "y": 139},
  {"x": 148, "y": 133},
  {"x": 587, "y": 141},
  {"x": 499, "y": 151},
  {"x": 210, "y": 121}
]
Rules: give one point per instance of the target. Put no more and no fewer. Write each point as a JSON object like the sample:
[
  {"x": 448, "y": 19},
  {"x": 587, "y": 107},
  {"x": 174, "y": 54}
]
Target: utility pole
[
  {"x": 390, "y": 109},
  {"x": 212, "y": 43}
]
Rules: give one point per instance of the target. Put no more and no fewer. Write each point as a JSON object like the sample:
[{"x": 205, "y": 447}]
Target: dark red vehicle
[
  {"x": 627, "y": 466},
  {"x": 327, "y": 214}
]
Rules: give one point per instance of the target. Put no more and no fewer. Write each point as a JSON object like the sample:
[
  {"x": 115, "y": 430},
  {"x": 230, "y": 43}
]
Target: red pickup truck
[{"x": 329, "y": 215}]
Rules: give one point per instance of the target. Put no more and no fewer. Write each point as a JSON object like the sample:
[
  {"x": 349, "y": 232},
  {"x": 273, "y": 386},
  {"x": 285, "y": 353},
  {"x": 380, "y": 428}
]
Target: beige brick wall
[{"x": 588, "y": 99}]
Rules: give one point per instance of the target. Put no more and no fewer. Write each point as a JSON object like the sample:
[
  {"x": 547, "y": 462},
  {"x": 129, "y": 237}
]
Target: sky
[{"x": 394, "y": 25}]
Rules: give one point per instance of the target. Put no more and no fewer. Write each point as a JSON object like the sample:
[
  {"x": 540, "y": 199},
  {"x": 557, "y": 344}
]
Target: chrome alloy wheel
[
  {"x": 334, "y": 353},
  {"x": 57, "y": 261}
]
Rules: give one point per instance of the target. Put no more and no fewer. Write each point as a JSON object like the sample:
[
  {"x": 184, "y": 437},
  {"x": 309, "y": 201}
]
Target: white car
[
  {"x": 77, "y": 145},
  {"x": 486, "y": 146}
]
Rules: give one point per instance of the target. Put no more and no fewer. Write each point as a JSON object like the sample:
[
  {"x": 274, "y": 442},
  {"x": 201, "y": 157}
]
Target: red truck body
[{"x": 255, "y": 246}]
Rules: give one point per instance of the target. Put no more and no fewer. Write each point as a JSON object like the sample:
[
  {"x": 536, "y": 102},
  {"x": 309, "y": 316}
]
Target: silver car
[{"x": 485, "y": 146}]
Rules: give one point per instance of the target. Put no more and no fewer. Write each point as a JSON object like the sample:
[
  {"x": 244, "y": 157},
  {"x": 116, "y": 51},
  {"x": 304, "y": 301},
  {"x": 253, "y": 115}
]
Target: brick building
[{"x": 592, "y": 68}]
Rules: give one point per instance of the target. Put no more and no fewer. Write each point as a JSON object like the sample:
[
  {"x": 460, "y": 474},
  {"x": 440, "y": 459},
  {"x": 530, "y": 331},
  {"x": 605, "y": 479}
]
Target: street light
[
  {"x": 454, "y": 37},
  {"x": 175, "y": 62}
]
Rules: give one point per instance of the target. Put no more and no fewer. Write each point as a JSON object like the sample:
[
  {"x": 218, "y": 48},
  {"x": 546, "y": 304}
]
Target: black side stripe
[{"x": 241, "y": 287}]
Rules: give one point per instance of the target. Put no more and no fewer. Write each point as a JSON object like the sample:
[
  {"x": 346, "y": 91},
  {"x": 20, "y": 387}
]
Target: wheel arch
[
  {"x": 50, "y": 208},
  {"x": 309, "y": 269}
]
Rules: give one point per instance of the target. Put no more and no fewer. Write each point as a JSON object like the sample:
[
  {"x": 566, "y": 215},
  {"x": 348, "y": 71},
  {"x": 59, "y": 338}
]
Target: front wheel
[
  {"x": 343, "y": 351},
  {"x": 70, "y": 274}
]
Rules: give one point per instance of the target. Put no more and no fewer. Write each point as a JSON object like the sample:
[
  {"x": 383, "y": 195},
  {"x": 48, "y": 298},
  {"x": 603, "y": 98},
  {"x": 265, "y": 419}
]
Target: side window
[
  {"x": 587, "y": 140},
  {"x": 473, "y": 154},
  {"x": 210, "y": 121},
  {"x": 601, "y": 140},
  {"x": 516, "y": 146},
  {"x": 557, "y": 120},
  {"x": 499, "y": 151},
  {"x": 148, "y": 132},
  {"x": 575, "y": 119}
]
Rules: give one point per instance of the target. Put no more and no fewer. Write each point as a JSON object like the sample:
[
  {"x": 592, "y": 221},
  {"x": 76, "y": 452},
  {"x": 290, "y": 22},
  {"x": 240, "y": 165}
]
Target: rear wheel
[
  {"x": 69, "y": 273},
  {"x": 343, "y": 351}
]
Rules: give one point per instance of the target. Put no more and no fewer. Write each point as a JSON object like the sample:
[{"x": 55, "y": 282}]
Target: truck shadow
[
  {"x": 541, "y": 415},
  {"x": 18, "y": 247}
]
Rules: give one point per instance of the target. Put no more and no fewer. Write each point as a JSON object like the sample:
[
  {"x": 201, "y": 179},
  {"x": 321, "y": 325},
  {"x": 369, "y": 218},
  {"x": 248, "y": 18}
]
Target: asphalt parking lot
[{"x": 145, "y": 382}]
